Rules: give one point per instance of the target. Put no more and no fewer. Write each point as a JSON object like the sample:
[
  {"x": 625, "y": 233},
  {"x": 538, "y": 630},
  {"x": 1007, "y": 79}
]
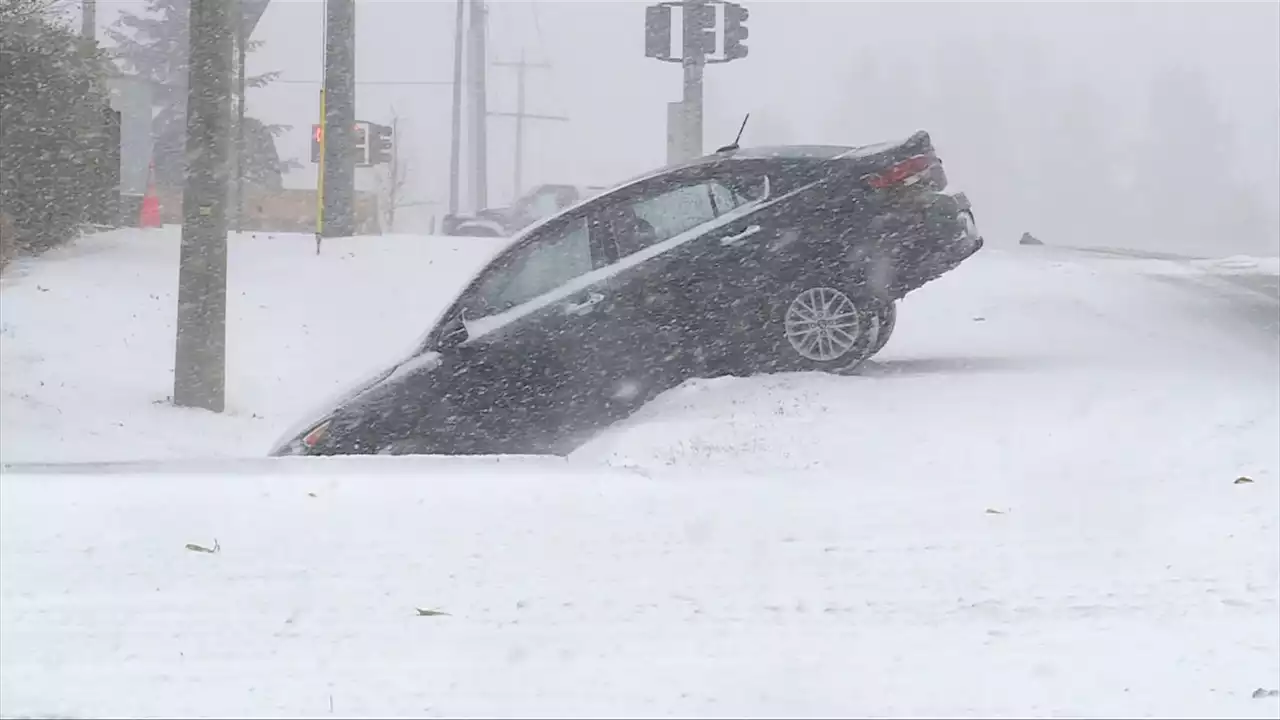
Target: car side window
[
  {"x": 534, "y": 269},
  {"x": 732, "y": 193},
  {"x": 676, "y": 211},
  {"x": 653, "y": 219}
]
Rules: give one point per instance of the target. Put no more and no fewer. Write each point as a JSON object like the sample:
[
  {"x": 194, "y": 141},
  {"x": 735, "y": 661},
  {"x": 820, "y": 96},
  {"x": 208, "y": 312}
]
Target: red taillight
[{"x": 902, "y": 172}]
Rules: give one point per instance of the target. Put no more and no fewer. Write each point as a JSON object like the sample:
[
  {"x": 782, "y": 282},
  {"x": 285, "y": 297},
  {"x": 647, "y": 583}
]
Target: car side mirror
[{"x": 455, "y": 332}]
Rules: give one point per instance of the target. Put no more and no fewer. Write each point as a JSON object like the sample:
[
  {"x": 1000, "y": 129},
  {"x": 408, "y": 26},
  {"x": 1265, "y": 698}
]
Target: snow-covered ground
[{"x": 1025, "y": 506}]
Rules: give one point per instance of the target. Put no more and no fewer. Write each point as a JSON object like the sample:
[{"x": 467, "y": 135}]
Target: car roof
[{"x": 815, "y": 153}]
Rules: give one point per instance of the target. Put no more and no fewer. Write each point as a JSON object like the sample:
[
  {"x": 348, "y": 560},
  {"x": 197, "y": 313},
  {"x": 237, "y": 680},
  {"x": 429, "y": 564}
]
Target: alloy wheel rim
[{"x": 822, "y": 324}]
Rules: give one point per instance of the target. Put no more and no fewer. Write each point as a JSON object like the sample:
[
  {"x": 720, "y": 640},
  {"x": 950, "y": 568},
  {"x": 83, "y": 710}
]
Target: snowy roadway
[{"x": 1025, "y": 506}]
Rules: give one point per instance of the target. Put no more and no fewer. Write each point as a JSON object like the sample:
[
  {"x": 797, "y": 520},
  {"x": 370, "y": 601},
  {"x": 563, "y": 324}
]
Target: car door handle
[
  {"x": 735, "y": 239},
  {"x": 584, "y": 307}
]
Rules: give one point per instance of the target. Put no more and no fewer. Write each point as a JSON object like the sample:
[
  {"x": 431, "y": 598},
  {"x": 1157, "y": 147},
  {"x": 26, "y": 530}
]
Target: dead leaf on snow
[{"x": 202, "y": 549}]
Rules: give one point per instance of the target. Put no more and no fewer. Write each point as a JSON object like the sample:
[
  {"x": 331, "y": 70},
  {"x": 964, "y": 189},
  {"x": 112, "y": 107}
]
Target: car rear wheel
[{"x": 816, "y": 325}]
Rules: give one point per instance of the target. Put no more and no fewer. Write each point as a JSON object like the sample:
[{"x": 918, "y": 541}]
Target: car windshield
[{"x": 677, "y": 358}]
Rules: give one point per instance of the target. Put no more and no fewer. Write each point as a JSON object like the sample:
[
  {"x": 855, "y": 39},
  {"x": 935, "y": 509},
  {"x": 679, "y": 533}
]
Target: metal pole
[
  {"x": 200, "y": 358},
  {"x": 479, "y": 109},
  {"x": 694, "y": 63},
  {"x": 455, "y": 145},
  {"x": 340, "y": 119},
  {"x": 693, "y": 103},
  {"x": 320, "y": 179},
  {"x": 521, "y": 68}
]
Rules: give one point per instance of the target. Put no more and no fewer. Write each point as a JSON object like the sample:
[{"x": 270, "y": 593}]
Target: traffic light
[
  {"x": 735, "y": 31},
  {"x": 382, "y": 144},
  {"x": 699, "y": 30},
  {"x": 657, "y": 32},
  {"x": 361, "y": 142},
  {"x": 317, "y": 144}
]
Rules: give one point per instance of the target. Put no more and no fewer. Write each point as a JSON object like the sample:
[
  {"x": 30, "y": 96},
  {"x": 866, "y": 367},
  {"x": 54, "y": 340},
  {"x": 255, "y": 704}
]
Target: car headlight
[{"x": 303, "y": 444}]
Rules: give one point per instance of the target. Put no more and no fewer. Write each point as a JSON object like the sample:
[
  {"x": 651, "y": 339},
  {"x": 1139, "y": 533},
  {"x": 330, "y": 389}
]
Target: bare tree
[{"x": 392, "y": 179}]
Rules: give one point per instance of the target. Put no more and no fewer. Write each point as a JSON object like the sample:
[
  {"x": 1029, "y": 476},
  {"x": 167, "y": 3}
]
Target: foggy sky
[{"x": 795, "y": 81}]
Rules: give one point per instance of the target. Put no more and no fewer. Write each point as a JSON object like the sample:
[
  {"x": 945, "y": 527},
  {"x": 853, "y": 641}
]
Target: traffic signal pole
[
  {"x": 698, "y": 42},
  {"x": 694, "y": 63},
  {"x": 320, "y": 176}
]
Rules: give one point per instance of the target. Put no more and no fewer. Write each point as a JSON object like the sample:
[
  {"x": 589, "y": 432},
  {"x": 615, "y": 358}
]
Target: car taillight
[{"x": 906, "y": 172}]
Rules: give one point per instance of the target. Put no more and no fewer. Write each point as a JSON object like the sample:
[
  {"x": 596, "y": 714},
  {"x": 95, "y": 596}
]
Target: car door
[
  {"x": 534, "y": 327},
  {"x": 680, "y": 295},
  {"x": 728, "y": 267}
]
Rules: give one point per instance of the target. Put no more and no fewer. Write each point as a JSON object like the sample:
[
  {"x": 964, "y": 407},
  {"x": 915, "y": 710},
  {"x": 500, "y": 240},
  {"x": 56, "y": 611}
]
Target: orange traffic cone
[{"x": 149, "y": 213}]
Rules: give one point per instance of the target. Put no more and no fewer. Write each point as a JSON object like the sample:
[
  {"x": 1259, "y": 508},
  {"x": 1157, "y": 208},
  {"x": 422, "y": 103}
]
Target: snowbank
[{"x": 86, "y": 358}]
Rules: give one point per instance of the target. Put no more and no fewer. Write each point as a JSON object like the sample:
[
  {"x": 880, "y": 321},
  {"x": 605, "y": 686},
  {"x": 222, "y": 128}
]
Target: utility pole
[
  {"x": 455, "y": 144},
  {"x": 479, "y": 109},
  {"x": 200, "y": 360},
  {"x": 521, "y": 115},
  {"x": 89, "y": 19},
  {"x": 340, "y": 118}
]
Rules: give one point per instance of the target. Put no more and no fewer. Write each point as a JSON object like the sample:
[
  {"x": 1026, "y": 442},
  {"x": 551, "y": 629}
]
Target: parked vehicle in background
[
  {"x": 540, "y": 202},
  {"x": 745, "y": 261}
]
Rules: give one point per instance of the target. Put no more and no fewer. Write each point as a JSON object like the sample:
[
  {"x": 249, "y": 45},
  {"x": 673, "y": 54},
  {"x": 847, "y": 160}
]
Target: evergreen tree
[
  {"x": 154, "y": 45},
  {"x": 52, "y": 105}
]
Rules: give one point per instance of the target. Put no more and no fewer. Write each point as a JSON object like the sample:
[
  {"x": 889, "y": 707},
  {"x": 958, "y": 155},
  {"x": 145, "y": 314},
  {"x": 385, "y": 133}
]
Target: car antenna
[{"x": 734, "y": 146}]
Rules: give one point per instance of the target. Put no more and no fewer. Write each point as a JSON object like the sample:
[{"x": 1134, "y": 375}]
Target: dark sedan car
[{"x": 745, "y": 261}]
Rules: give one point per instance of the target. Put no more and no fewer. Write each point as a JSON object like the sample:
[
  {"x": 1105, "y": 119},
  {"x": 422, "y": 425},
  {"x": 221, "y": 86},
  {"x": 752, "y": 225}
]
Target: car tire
[
  {"x": 816, "y": 324},
  {"x": 886, "y": 321}
]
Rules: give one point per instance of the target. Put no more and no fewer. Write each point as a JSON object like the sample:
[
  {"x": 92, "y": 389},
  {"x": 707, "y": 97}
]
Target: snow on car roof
[{"x": 816, "y": 152}]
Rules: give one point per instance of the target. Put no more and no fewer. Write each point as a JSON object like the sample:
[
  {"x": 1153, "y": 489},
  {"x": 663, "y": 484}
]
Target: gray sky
[{"x": 796, "y": 81}]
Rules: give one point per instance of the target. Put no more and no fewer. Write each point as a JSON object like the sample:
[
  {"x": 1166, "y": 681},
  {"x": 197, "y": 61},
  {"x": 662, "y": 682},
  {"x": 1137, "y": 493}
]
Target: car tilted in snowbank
[{"x": 745, "y": 261}]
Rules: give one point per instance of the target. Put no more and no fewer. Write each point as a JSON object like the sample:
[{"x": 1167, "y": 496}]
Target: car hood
[{"x": 326, "y": 409}]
